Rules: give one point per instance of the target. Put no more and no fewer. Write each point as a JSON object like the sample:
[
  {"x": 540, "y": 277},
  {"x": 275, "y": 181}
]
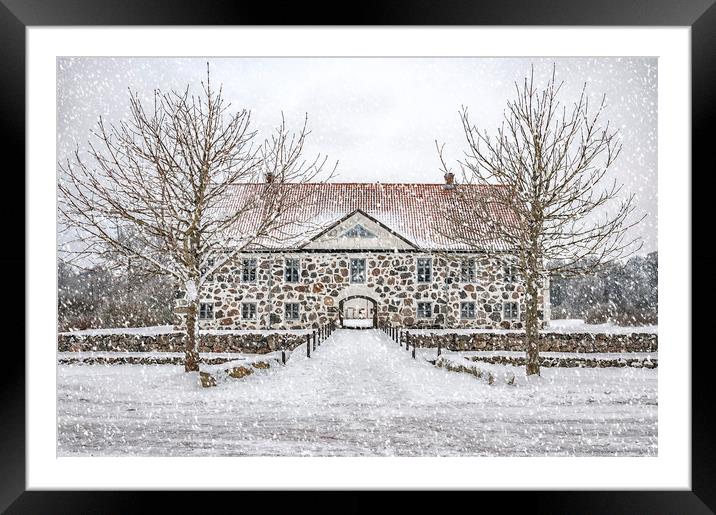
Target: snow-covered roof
[{"x": 419, "y": 213}]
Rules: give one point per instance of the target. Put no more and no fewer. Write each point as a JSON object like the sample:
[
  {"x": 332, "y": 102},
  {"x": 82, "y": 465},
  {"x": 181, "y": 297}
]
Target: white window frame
[
  {"x": 430, "y": 310},
  {"x": 474, "y": 310},
  {"x": 365, "y": 270},
  {"x": 244, "y": 268},
  {"x": 473, "y": 271},
  {"x": 255, "y": 310},
  {"x": 206, "y": 303},
  {"x": 285, "y": 311},
  {"x": 517, "y": 311},
  {"x": 298, "y": 270},
  {"x": 430, "y": 268},
  {"x": 511, "y": 273}
]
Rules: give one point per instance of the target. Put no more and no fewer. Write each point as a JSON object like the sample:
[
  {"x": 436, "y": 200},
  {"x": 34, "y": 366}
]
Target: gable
[{"x": 360, "y": 232}]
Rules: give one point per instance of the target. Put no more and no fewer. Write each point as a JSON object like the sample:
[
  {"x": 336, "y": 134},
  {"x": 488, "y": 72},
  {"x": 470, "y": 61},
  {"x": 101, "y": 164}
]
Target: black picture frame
[{"x": 16, "y": 15}]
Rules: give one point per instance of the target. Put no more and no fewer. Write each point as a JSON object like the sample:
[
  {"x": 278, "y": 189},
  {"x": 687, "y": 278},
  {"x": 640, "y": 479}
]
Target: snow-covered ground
[
  {"x": 360, "y": 395},
  {"x": 357, "y": 322},
  {"x": 580, "y": 355},
  {"x": 149, "y": 354},
  {"x": 579, "y": 326},
  {"x": 143, "y": 331}
]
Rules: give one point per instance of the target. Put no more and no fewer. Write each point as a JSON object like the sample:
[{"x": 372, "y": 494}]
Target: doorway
[{"x": 358, "y": 312}]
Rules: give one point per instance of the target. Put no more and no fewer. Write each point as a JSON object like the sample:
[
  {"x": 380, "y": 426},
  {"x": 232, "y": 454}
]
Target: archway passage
[{"x": 358, "y": 312}]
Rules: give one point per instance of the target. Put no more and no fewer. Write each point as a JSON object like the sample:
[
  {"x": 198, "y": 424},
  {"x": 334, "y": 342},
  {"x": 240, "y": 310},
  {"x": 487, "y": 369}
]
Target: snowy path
[{"x": 359, "y": 395}]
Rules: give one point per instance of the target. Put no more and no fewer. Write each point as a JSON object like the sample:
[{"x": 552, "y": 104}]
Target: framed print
[{"x": 419, "y": 253}]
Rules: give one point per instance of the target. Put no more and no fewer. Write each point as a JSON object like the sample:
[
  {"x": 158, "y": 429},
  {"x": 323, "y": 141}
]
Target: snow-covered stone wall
[
  {"x": 264, "y": 342},
  {"x": 258, "y": 300},
  {"x": 258, "y": 343},
  {"x": 549, "y": 342}
]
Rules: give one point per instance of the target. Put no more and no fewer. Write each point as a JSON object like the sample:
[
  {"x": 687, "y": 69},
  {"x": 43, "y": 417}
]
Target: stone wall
[
  {"x": 250, "y": 343},
  {"x": 549, "y": 342},
  {"x": 391, "y": 281},
  {"x": 260, "y": 343}
]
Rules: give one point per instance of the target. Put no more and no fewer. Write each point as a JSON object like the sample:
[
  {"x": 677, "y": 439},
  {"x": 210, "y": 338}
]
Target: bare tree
[
  {"x": 538, "y": 187},
  {"x": 165, "y": 175}
]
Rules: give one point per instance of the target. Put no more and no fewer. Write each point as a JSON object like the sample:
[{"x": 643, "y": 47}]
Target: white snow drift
[{"x": 359, "y": 395}]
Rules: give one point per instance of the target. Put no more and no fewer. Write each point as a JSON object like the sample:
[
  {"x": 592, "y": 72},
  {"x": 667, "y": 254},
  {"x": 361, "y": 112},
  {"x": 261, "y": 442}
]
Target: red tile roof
[{"x": 417, "y": 212}]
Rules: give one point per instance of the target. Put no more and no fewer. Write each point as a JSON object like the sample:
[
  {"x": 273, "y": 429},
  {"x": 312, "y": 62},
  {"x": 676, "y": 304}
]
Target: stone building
[{"x": 364, "y": 254}]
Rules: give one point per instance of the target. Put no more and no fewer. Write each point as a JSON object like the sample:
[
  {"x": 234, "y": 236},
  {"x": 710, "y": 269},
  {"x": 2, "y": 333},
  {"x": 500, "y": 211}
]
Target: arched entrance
[{"x": 358, "y": 312}]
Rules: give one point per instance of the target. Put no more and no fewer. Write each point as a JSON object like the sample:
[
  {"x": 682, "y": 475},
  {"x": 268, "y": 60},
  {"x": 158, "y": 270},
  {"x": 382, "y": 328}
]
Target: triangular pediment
[{"x": 359, "y": 231}]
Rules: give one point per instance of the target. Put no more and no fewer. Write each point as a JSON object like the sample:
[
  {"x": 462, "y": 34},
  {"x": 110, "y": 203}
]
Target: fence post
[
  {"x": 308, "y": 345},
  {"x": 400, "y": 338},
  {"x": 413, "y": 350},
  {"x": 283, "y": 356},
  {"x": 314, "y": 339},
  {"x": 439, "y": 347},
  {"x": 407, "y": 341}
]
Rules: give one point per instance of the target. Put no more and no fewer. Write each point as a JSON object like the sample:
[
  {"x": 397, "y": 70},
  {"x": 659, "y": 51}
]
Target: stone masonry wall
[
  {"x": 261, "y": 343},
  {"x": 391, "y": 281},
  {"x": 549, "y": 342},
  {"x": 251, "y": 343}
]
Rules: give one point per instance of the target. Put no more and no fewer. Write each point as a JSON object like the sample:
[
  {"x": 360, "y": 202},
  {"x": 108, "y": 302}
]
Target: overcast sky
[{"x": 379, "y": 117}]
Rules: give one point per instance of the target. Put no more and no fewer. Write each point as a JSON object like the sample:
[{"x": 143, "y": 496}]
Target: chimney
[
  {"x": 449, "y": 180},
  {"x": 270, "y": 177}
]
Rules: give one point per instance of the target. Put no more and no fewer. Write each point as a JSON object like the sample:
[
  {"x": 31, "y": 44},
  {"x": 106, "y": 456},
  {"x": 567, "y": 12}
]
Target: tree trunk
[
  {"x": 532, "y": 322},
  {"x": 191, "y": 339}
]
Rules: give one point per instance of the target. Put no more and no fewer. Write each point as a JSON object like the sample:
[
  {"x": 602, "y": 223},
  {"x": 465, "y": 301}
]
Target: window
[
  {"x": 467, "y": 270},
  {"x": 357, "y": 270},
  {"x": 467, "y": 310},
  {"x": 425, "y": 309},
  {"x": 206, "y": 311},
  {"x": 293, "y": 266},
  {"x": 510, "y": 274},
  {"x": 248, "y": 310},
  {"x": 425, "y": 270},
  {"x": 358, "y": 231},
  {"x": 248, "y": 270},
  {"x": 510, "y": 311},
  {"x": 291, "y": 310}
]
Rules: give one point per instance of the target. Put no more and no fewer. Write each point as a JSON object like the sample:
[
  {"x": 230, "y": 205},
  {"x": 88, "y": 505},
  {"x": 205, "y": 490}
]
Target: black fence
[
  {"x": 401, "y": 337},
  {"x": 319, "y": 335}
]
